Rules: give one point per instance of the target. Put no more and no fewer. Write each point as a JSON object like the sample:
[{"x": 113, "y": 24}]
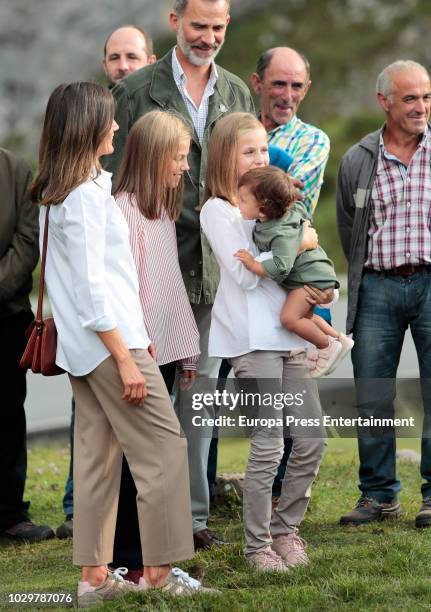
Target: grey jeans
[{"x": 269, "y": 372}]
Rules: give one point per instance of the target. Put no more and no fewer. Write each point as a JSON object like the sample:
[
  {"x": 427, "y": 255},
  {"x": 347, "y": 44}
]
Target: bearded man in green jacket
[{"x": 187, "y": 81}]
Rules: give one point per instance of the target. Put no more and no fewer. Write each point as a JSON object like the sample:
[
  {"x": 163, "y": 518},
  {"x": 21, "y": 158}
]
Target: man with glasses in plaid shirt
[{"x": 384, "y": 221}]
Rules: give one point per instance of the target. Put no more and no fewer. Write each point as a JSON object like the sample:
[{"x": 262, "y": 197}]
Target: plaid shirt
[
  {"x": 400, "y": 210},
  {"x": 197, "y": 115},
  {"x": 309, "y": 148}
]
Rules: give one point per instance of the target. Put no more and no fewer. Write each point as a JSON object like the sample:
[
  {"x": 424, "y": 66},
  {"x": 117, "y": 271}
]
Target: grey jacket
[
  {"x": 354, "y": 186},
  {"x": 19, "y": 232}
]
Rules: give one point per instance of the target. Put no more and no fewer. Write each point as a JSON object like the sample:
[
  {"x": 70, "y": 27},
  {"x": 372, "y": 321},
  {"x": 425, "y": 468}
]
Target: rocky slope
[{"x": 46, "y": 42}]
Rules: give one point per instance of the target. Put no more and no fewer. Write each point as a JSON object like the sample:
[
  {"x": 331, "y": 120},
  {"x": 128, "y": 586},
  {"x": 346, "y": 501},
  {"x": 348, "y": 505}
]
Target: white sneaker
[
  {"x": 346, "y": 346},
  {"x": 326, "y": 358},
  {"x": 114, "y": 587},
  {"x": 178, "y": 583}
]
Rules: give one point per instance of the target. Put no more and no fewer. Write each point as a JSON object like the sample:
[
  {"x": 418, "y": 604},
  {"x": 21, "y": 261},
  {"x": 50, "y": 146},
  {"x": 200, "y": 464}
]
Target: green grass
[{"x": 377, "y": 567}]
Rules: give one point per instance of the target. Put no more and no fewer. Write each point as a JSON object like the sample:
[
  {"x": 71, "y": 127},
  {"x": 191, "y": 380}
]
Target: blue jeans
[
  {"x": 388, "y": 305},
  {"x": 68, "y": 490}
]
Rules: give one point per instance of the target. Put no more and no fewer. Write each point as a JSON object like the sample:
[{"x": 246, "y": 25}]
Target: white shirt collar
[
  {"x": 178, "y": 69},
  {"x": 102, "y": 178}
]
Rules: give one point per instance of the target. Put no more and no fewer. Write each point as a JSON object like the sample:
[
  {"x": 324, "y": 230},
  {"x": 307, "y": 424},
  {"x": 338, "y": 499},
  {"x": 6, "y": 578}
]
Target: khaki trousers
[
  {"x": 267, "y": 373},
  {"x": 150, "y": 437}
]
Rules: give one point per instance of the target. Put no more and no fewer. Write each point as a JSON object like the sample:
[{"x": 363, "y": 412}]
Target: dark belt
[{"x": 404, "y": 271}]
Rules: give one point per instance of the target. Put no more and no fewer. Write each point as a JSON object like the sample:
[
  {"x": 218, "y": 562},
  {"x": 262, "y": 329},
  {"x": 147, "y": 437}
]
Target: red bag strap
[{"x": 42, "y": 268}]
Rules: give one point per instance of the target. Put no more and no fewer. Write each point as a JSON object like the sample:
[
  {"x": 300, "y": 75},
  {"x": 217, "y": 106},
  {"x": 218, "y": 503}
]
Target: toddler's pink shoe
[
  {"x": 346, "y": 346},
  {"x": 326, "y": 358}
]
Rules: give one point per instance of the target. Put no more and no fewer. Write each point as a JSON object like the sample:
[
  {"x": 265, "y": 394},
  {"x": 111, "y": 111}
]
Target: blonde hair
[
  {"x": 151, "y": 146},
  {"x": 222, "y": 174},
  {"x": 77, "y": 119}
]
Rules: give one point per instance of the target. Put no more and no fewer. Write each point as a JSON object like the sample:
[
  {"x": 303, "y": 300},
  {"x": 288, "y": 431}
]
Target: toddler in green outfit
[{"x": 267, "y": 195}]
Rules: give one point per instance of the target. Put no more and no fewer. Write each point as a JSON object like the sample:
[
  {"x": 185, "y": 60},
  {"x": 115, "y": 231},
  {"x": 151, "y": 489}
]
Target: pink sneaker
[
  {"x": 312, "y": 357},
  {"x": 291, "y": 548},
  {"x": 346, "y": 346},
  {"x": 266, "y": 560},
  {"x": 326, "y": 358}
]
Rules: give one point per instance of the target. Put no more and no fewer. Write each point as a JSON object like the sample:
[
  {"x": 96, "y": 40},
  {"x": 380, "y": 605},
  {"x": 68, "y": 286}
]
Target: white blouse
[
  {"x": 91, "y": 276},
  {"x": 168, "y": 315},
  {"x": 246, "y": 312}
]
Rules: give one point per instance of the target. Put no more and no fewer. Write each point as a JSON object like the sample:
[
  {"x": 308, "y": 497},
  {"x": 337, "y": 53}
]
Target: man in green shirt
[{"x": 187, "y": 81}]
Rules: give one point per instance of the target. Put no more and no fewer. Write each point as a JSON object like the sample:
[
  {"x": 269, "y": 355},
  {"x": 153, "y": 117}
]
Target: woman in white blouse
[
  {"x": 122, "y": 404},
  {"x": 246, "y": 329}
]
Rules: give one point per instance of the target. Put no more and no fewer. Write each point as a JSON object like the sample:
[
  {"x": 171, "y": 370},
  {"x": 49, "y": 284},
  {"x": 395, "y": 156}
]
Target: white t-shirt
[
  {"x": 91, "y": 276},
  {"x": 246, "y": 312}
]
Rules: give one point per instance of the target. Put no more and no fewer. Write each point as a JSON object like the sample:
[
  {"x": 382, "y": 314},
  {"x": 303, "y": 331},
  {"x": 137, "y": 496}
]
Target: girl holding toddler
[{"x": 246, "y": 330}]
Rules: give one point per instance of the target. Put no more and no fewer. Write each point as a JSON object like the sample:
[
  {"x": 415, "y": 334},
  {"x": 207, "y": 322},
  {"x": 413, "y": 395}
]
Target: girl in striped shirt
[{"x": 149, "y": 192}]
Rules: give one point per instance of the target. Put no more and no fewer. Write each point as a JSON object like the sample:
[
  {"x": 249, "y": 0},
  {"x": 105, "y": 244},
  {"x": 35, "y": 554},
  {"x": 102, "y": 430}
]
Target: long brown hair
[
  {"x": 151, "y": 146},
  {"x": 78, "y": 117},
  {"x": 222, "y": 175}
]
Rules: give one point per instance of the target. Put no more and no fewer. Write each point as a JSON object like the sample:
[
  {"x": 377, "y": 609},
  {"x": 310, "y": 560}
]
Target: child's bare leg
[
  {"x": 297, "y": 317},
  {"x": 324, "y": 326}
]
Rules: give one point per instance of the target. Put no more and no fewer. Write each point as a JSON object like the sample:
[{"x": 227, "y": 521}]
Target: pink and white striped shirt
[{"x": 168, "y": 315}]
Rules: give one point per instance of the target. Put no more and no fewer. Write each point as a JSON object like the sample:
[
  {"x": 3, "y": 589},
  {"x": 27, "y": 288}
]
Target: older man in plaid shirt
[
  {"x": 384, "y": 221},
  {"x": 282, "y": 80}
]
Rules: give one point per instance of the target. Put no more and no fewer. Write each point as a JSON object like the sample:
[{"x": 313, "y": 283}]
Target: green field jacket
[{"x": 154, "y": 88}]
